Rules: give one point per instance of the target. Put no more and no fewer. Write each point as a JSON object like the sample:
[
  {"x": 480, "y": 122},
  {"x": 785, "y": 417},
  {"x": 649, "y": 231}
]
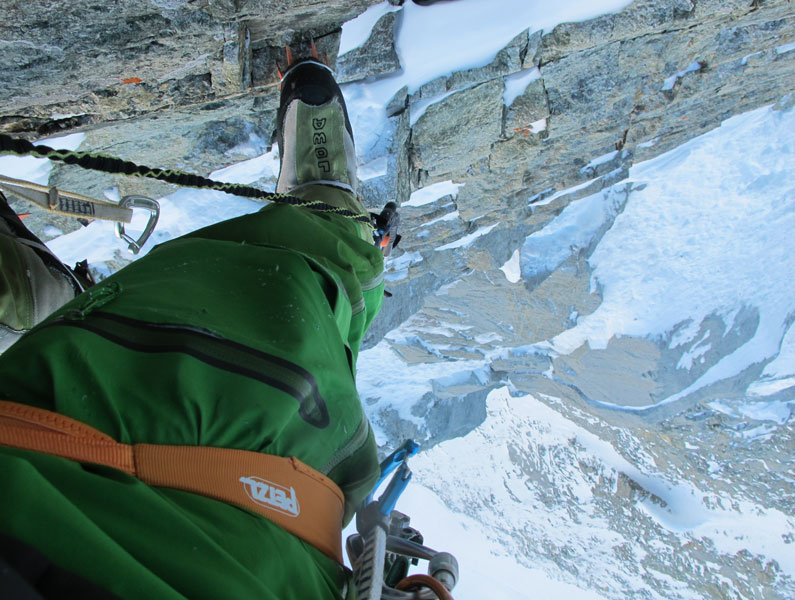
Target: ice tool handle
[
  {"x": 395, "y": 462},
  {"x": 385, "y": 228}
]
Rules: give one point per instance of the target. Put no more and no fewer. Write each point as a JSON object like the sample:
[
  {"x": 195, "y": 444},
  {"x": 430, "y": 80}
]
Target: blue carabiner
[
  {"x": 388, "y": 500},
  {"x": 393, "y": 461},
  {"x": 397, "y": 459}
]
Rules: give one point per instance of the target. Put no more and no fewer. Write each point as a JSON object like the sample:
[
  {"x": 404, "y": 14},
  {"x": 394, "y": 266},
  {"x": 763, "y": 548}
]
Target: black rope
[{"x": 112, "y": 164}]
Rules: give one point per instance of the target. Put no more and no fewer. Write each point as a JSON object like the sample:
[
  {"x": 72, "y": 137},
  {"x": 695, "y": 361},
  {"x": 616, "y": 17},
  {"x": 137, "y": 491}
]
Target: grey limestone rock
[
  {"x": 394, "y": 185},
  {"x": 642, "y": 17},
  {"x": 399, "y": 102},
  {"x": 445, "y": 416},
  {"x": 785, "y": 103},
  {"x": 122, "y": 60},
  {"x": 532, "y": 54},
  {"x": 377, "y": 56},
  {"x": 530, "y": 107},
  {"x": 521, "y": 51},
  {"x": 454, "y": 133},
  {"x": 508, "y": 60},
  {"x": 431, "y": 89}
]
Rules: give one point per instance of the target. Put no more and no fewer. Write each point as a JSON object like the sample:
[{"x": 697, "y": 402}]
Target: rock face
[
  {"x": 157, "y": 82},
  {"x": 529, "y": 111},
  {"x": 377, "y": 56},
  {"x": 174, "y": 84},
  {"x": 457, "y": 131},
  {"x": 611, "y": 92},
  {"x": 105, "y": 62}
]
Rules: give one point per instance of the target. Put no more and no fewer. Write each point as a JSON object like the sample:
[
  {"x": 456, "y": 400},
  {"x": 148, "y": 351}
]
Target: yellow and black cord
[{"x": 112, "y": 164}]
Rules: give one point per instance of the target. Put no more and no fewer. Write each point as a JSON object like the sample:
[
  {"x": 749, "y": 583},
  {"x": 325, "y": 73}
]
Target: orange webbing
[{"x": 285, "y": 490}]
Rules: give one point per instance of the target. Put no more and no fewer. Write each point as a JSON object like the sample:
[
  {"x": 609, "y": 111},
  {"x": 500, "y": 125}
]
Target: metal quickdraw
[
  {"x": 385, "y": 546},
  {"x": 65, "y": 203},
  {"x": 154, "y": 214},
  {"x": 83, "y": 207}
]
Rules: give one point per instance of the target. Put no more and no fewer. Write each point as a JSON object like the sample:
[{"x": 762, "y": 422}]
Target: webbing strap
[
  {"x": 284, "y": 490},
  {"x": 65, "y": 203}
]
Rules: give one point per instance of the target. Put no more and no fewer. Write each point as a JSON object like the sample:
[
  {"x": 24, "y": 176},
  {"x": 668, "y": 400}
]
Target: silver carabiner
[{"x": 133, "y": 202}]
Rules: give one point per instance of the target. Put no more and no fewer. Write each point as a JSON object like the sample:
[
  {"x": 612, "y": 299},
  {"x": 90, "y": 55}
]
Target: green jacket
[{"x": 241, "y": 335}]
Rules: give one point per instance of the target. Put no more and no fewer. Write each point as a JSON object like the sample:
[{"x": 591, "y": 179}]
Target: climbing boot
[{"x": 314, "y": 133}]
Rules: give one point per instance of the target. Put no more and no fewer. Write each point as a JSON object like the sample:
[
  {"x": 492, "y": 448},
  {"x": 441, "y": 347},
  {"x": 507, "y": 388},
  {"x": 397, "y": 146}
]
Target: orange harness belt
[{"x": 286, "y": 491}]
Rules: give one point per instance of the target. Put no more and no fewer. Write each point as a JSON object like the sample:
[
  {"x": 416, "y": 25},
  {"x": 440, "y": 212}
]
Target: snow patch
[
  {"x": 549, "y": 199},
  {"x": 488, "y": 338},
  {"x": 710, "y": 233},
  {"x": 418, "y": 109},
  {"x": 696, "y": 351},
  {"x": 430, "y": 41},
  {"x": 538, "y": 126},
  {"x": 432, "y": 193},
  {"x": 770, "y": 387},
  {"x": 253, "y": 147},
  {"x": 113, "y": 194},
  {"x": 467, "y": 239},
  {"x": 571, "y": 231},
  {"x": 52, "y": 231},
  {"x": 387, "y": 382},
  {"x": 451, "y": 216},
  {"x": 375, "y": 168},
  {"x": 670, "y": 82},
  {"x": 747, "y": 57},
  {"x": 605, "y": 158},
  {"x": 37, "y": 170},
  {"x": 265, "y": 166},
  {"x": 357, "y": 31},
  {"x": 778, "y": 412},
  {"x": 405, "y": 260},
  {"x": 785, "y": 48},
  {"x": 517, "y": 83},
  {"x": 512, "y": 268}
]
